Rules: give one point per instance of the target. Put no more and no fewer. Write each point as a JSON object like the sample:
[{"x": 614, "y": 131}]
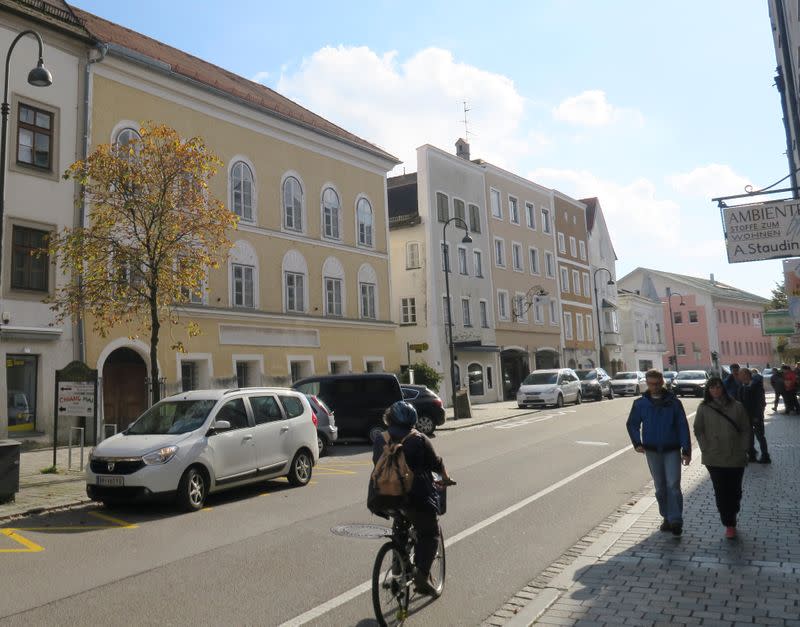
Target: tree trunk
[{"x": 155, "y": 327}]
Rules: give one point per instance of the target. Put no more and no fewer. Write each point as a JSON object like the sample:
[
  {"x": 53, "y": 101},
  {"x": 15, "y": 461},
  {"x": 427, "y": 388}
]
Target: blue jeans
[{"x": 666, "y": 471}]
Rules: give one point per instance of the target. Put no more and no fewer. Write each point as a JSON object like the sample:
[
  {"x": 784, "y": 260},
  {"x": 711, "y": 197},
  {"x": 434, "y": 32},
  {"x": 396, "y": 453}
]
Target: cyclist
[{"x": 424, "y": 500}]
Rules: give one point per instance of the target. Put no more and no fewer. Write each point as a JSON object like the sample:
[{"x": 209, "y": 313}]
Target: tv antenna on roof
[{"x": 467, "y": 132}]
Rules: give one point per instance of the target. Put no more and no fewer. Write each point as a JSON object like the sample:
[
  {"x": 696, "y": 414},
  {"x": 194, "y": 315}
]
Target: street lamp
[
  {"x": 38, "y": 77},
  {"x": 597, "y": 302},
  {"x": 446, "y": 247},
  {"x": 670, "y": 294}
]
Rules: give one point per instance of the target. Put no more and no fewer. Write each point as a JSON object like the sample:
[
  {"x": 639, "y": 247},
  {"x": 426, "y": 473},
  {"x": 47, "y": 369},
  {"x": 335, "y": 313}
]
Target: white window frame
[
  {"x": 251, "y": 360},
  {"x": 576, "y": 282},
  {"x": 243, "y": 254},
  {"x": 579, "y": 326},
  {"x": 204, "y": 364},
  {"x": 477, "y": 263},
  {"x": 463, "y": 268},
  {"x": 519, "y": 306},
  {"x": 368, "y": 239},
  {"x": 582, "y": 249},
  {"x": 323, "y": 207},
  {"x": 589, "y": 328},
  {"x": 483, "y": 310},
  {"x": 554, "y": 317},
  {"x": 477, "y": 216},
  {"x": 547, "y": 225},
  {"x": 301, "y": 216},
  {"x": 586, "y": 285},
  {"x": 533, "y": 260},
  {"x": 413, "y": 258},
  {"x": 340, "y": 359},
  {"x": 466, "y": 311},
  {"x": 530, "y": 215},
  {"x": 408, "y": 310},
  {"x": 447, "y": 313},
  {"x": 513, "y": 210},
  {"x": 573, "y": 246},
  {"x": 538, "y": 311},
  {"x": 502, "y": 305},
  {"x": 371, "y": 311},
  {"x": 328, "y": 293},
  {"x": 293, "y": 292},
  {"x": 502, "y": 251},
  {"x": 495, "y": 194},
  {"x": 517, "y": 262},
  {"x": 549, "y": 264},
  {"x": 567, "y": 325},
  {"x": 562, "y": 243},
  {"x": 246, "y": 163},
  {"x": 244, "y": 268},
  {"x": 564, "y": 273}
]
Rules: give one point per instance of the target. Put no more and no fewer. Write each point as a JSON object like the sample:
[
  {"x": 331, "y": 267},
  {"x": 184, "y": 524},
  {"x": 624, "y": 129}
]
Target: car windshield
[
  {"x": 669, "y": 374},
  {"x": 541, "y": 378},
  {"x": 691, "y": 374},
  {"x": 626, "y": 375},
  {"x": 172, "y": 417},
  {"x": 586, "y": 375}
]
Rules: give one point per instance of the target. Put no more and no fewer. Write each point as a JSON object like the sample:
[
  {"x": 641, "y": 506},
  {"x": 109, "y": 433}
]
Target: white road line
[
  {"x": 590, "y": 443},
  {"x": 351, "y": 594}
]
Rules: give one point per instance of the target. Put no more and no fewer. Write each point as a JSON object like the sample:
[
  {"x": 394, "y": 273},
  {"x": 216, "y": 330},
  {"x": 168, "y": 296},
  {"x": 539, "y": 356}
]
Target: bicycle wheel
[
  {"x": 438, "y": 567},
  {"x": 390, "y": 586}
]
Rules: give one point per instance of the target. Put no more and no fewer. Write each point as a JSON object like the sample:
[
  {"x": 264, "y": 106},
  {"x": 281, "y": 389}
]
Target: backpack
[{"x": 391, "y": 479}]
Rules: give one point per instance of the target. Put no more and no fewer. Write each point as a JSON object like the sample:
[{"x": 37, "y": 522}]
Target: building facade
[
  {"x": 575, "y": 286},
  {"x": 305, "y": 288},
  {"x": 642, "y": 330}
]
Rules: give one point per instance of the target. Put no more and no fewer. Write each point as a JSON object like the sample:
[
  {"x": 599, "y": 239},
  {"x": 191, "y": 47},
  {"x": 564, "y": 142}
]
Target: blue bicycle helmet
[{"x": 401, "y": 413}]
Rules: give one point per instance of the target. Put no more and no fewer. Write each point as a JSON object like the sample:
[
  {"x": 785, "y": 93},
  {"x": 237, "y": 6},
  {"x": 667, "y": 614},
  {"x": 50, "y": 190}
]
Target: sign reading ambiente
[{"x": 762, "y": 231}]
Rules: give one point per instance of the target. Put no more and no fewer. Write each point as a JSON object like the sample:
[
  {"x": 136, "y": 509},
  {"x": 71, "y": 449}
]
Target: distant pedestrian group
[{"x": 784, "y": 381}]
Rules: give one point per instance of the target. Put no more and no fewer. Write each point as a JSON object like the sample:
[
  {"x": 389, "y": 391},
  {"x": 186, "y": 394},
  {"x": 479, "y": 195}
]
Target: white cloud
[
  {"x": 709, "y": 181},
  {"x": 591, "y": 108},
  {"x": 260, "y": 77},
  {"x": 400, "y": 105}
]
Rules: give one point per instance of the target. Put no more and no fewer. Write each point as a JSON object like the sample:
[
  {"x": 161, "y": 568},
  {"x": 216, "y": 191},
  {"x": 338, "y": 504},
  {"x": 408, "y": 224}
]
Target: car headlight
[{"x": 161, "y": 456}]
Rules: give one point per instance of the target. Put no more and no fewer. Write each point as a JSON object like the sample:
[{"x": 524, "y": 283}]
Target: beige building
[
  {"x": 306, "y": 287},
  {"x": 575, "y": 284},
  {"x": 523, "y": 265}
]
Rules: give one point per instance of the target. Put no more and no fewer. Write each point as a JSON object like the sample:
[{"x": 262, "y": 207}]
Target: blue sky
[{"x": 652, "y": 107}]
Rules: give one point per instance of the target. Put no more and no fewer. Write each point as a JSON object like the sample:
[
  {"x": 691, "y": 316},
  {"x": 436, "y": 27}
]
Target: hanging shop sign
[
  {"x": 769, "y": 230},
  {"x": 777, "y": 322}
]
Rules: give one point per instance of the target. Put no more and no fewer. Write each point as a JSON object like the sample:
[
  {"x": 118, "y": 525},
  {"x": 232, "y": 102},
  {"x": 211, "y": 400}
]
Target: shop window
[
  {"x": 475, "y": 373},
  {"x": 21, "y": 382}
]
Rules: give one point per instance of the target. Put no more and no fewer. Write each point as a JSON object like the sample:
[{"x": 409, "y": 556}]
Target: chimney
[
  {"x": 713, "y": 282},
  {"x": 462, "y": 149}
]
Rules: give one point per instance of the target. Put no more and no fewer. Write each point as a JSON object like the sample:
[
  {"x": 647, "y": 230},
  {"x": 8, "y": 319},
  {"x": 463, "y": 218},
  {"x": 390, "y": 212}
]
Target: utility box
[
  {"x": 462, "y": 407},
  {"x": 9, "y": 469}
]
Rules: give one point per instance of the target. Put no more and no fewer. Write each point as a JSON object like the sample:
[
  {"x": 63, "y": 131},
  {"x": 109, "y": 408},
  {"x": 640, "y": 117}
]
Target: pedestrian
[
  {"x": 658, "y": 428},
  {"x": 754, "y": 401},
  {"x": 789, "y": 390},
  {"x": 722, "y": 429},
  {"x": 776, "y": 380},
  {"x": 731, "y": 383}
]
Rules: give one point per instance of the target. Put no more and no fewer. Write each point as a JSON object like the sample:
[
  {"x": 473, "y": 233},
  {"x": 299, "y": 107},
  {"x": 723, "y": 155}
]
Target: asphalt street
[{"x": 528, "y": 489}]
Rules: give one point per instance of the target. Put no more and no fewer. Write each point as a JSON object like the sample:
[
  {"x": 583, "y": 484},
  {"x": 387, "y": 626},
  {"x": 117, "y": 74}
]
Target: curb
[
  {"x": 458, "y": 424},
  {"x": 43, "y": 509}
]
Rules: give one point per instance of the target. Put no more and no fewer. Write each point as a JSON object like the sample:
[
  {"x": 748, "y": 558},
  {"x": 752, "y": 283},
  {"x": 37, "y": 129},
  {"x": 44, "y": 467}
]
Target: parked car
[
  {"x": 430, "y": 409},
  {"x": 195, "y": 443},
  {"x": 632, "y": 382},
  {"x": 691, "y": 382},
  {"x": 549, "y": 387},
  {"x": 595, "y": 384},
  {"x": 358, "y": 400},
  {"x": 327, "y": 432},
  {"x": 669, "y": 378}
]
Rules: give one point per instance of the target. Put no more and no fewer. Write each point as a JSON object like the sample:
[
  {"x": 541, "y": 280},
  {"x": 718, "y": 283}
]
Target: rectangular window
[
  {"x": 445, "y": 257},
  {"x": 333, "y": 297},
  {"x": 477, "y": 259},
  {"x": 494, "y": 198},
  {"x": 546, "y": 227},
  {"x": 29, "y": 271},
  {"x": 586, "y": 285},
  {"x": 513, "y": 210},
  {"x": 474, "y": 219},
  {"x": 576, "y": 282},
  {"x": 188, "y": 376},
  {"x": 677, "y": 316},
  {"x": 582, "y": 246},
  {"x": 34, "y": 137},
  {"x": 533, "y": 258},
  {"x": 446, "y": 309},
  {"x": 681, "y": 349},
  {"x": 589, "y": 328},
  {"x": 567, "y": 325},
  {"x": 295, "y": 292},
  {"x": 725, "y": 316},
  {"x": 368, "y": 300},
  {"x": 530, "y": 215},
  {"x": 462, "y": 260},
  {"x": 243, "y": 286},
  {"x": 549, "y": 264},
  {"x": 562, "y": 243},
  {"x": 408, "y": 311},
  {"x": 520, "y": 310},
  {"x": 502, "y": 305},
  {"x": 692, "y": 316},
  {"x": 458, "y": 210},
  {"x": 484, "y": 314},
  {"x": 442, "y": 207},
  {"x": 553, "y": 312},
  {"x": 466, "y": 312},
  {"x": 538, "y": 311},
  {"x": 572, "y": 247},
  {"x": 564, "y": 280},
  {"x": 499, "y": 253},
  {"x": 516, "y": 257},
  {"x": 242, "y": 374},
  {"x": 412, "y": 255},
  {"x": 579, "y": 326}
]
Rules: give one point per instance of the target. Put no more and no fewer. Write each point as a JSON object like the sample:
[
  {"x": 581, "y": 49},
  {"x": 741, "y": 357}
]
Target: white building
[
  {"x": 44, "y": 127},
  {"x": 642, "y": 330},
  {"x": 444, "y": 186}
]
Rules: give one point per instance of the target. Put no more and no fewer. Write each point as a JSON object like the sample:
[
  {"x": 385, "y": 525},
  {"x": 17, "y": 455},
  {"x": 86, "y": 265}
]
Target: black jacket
[{"x": 753, "y": 398}]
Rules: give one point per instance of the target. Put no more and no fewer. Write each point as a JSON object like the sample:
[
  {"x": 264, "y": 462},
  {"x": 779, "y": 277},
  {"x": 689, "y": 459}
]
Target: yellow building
[{"x": 306, "y": 286}]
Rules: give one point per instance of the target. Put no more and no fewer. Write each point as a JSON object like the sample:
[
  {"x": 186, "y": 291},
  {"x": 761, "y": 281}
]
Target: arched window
[
  {"x": 364, "y": 213},
  {"x": 292, "y": 204},
  {"x": 242, "y": 190},
  {"x": 475, "y": 374},
  {"x": 126, "y": 136},
  {"x": 295, "y": 282},
  {"x": 333, "y": 287},
  {"x": 330, "y": 213}
]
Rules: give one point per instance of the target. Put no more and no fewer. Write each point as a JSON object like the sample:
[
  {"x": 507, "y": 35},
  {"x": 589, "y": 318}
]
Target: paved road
[{"x": 528, "y": 488}]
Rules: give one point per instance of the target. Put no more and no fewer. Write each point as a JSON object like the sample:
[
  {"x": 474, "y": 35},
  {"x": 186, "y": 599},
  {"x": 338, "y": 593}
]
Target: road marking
[
  {"x": 30, "y": 547},
  {"x": 589, "y": 443},
  {"x": 529, "y": 421},
  {"x": 351, "y": 594},
  {"x": 111, "y": 519}
]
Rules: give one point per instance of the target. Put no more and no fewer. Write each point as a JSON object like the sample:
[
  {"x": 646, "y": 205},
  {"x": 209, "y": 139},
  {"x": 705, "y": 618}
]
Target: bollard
[{"x": 69, "y": 449}]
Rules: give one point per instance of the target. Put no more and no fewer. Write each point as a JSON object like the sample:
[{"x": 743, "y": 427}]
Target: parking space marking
[
  {"x": 30, "y": 547},
  {"x": 121, "y": 523},
  {"x": 533, "y": 419}
]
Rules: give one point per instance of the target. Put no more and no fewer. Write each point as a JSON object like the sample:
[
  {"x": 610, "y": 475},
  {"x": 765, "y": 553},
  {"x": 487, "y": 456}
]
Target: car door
[
  {"x": 575, "y": 385},
  {"x": 271, "y": 432},
  {"x": 233, "y": 450},
  {"x": 298, "y": 429}
]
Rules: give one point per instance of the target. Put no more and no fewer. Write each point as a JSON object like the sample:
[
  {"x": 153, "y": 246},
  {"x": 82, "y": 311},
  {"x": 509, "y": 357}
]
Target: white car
[
  {"x": 629, "y": 383},
  {"x": 549, "y": 387},
  {"x": 191, "y": 444}
]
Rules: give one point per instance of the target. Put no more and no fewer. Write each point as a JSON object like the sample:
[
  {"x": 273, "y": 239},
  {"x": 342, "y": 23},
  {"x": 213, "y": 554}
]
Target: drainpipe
[{"x": 101, "y": 50}]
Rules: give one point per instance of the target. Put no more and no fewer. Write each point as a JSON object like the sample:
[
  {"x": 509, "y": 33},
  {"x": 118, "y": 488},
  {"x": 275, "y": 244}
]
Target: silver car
[{"x": 549, "y": 387}]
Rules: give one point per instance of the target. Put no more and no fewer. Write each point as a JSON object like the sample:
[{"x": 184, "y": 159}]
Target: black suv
[
  {"x": 430, "y": 410},
  {"x": 595, "y": 383},
  {"x": 357, "y": 400}
]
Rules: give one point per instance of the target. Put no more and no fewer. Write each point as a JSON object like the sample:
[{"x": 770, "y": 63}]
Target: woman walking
[{"x": 722, "y": 429}]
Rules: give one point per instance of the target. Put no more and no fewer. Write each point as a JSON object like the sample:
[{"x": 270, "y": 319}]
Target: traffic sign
[{"x": 418, "y": 348}]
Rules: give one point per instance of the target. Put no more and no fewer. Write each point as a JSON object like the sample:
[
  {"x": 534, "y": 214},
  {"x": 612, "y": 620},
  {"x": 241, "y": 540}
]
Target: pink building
[{"x": 707, "y": 317}]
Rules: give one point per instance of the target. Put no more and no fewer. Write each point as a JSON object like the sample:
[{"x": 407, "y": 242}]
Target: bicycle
[{"x": 394, "y": 570}]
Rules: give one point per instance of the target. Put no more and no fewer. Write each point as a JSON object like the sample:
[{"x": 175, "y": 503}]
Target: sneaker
[
  {"x": 677, "y": 529},
  {"x": 665, "y": 525},
  {"x": 423, "y": 585},
  {"x": 765, "y": 459},
  {"x": 730, "y": 533}
]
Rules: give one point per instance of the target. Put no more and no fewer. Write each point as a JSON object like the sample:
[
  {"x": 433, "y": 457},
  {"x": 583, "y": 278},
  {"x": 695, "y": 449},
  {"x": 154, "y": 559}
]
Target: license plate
[{"x": 114, "y": 482}]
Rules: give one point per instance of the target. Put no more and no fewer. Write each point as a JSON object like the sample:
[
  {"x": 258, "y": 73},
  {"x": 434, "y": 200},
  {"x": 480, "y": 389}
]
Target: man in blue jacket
[{"x": 658, "y": 428}]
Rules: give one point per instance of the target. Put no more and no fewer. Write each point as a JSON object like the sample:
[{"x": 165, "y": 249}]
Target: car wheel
[
  {"x": 610, "y": 394},
  {"x": 192, "y": 490},
  {"x": 520, "y": 406},
  {"x": 300, "y": 470},
  {"x": 578, "y": 398},
  {"x": 560, "y": 401},
  {"x": 375, "y": 433},
  {"x": 322, "y": 444},
  {"x": 425, "y": 424}
]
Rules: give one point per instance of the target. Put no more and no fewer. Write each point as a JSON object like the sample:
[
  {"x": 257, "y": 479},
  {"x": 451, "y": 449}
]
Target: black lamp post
[
  {"x": 446, "y": 248},
  {"x": 670, "y": 294},
  {"x": 39, "y": 77},
  {"x": 597, "y": 303}
]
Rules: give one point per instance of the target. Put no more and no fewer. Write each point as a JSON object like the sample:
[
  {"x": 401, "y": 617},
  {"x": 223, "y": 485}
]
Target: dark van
[{"x": 357, "y": 400}]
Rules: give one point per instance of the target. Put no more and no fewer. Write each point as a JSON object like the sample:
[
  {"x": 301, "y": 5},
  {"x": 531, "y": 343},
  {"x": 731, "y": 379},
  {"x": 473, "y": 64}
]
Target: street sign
[
  {"x": 76, "y": 398},
  {"x": 777, "y": 322},
  {"x": 418, "y": 348},
  {"x": 767, "y": 230}
]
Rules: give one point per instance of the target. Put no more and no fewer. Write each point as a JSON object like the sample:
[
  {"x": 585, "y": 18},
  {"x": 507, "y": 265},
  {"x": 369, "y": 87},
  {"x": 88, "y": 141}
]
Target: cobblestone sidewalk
[{"x": 628, "y": 572}]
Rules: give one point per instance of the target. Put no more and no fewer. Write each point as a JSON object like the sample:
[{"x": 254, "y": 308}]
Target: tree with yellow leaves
[{"x": 153, "y": 232}]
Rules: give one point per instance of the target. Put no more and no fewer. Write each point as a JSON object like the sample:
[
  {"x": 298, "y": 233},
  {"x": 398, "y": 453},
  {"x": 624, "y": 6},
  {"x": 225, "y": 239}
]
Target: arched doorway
[
  {"x": 124, "y": 387},
  {"x": 546, "y": 358},
  {"x": 515, "y": 367}
]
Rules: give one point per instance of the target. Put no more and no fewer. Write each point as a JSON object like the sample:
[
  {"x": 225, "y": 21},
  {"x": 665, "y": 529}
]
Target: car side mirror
[{"x": 219, "y": 425}]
